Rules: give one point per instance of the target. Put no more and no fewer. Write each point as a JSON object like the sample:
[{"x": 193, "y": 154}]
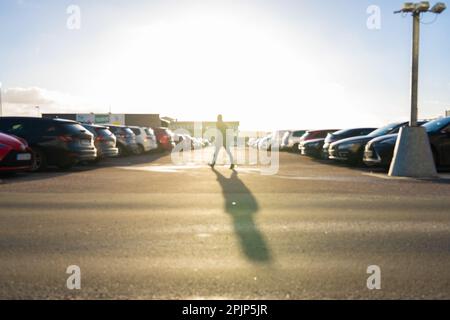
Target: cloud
[
  {"x": 30, "y": 96},
  {"x": 23, "y": 101}
]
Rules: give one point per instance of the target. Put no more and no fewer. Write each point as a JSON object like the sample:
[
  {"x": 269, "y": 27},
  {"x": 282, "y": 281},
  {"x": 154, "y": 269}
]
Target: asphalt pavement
[{"x": 145, "y": 228}]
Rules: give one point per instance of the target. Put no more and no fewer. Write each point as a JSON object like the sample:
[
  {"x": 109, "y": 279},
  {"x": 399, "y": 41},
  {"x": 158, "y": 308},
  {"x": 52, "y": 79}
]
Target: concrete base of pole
[{"x": 412, "y": 156}]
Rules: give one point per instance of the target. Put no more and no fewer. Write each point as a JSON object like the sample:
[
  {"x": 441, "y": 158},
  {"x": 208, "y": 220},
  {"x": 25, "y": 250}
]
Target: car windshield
[
  {"x": 128, "y": 131},
  {"x": 305, "y": 135},
  {"x": 343, "y": 133},
  {"x": 104, "y": 132},
  {"x": 437, "y": 125},
  {"x": 322, "y": 134},
  {"x": 73, "y": 128},
  {"x": 384, "y": 130},
  {"x": 136, "y": 131},
  {"x": 298, "y": 134}
]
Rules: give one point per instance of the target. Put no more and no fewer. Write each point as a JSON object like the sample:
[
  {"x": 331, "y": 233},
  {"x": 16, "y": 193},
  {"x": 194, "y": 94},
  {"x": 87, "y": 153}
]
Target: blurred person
[{"x": 221, "y": 142}]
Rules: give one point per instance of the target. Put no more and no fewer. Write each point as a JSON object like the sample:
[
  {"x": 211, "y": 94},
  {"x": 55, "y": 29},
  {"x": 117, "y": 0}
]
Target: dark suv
[
  {"x": 380, "y": 151},
  {"x": 54, "y": 142},
  {"x": 104, "y": 140},
  {"x": 126, "y": 140}
]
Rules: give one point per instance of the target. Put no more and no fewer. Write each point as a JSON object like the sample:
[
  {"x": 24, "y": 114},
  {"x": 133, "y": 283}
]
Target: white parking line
[
  {"x": 322, "y": 178},
  {"x": 187, "y": 167},
  {"x": 387, "y": 177}
]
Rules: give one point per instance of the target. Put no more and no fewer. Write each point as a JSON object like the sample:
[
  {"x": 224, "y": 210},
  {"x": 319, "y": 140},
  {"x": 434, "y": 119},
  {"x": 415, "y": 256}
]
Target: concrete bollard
[{"x": 412, "y": 156}]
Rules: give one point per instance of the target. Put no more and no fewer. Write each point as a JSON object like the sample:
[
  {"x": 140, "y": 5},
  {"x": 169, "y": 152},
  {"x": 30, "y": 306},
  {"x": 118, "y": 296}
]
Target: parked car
[
  {"x": 314, "y": 135},
  {"x": 251, "y": 142},
  {"x": 265, "y": 143},
  {"x": 294, "y": 140},
  {"x": 351, "y": 150},
  {"x": 165, "y": 139},
  {"x": 254, "y": 142},
  {"x": 380, "y": 151},
  {"x": 183, "y": 139},
  {"x": 145, "y": 138},
  {"x": 151, "y": 136},
  {"x": 197, "y": 143},
  {"x": 15, "y": 154},
  {"x": 343, "y": 134},
  {"x": 126, "y": 140},
  {"x": 272, "y": 140},
  {"x": 285, "y": 141},
  {"x": 58, "y": 142},
  {"x": 206, "y": 142},
  {"x": 277, "y": 137},
  {"x": 104, "y": 140},
  {"x": 312, "y": 148}
]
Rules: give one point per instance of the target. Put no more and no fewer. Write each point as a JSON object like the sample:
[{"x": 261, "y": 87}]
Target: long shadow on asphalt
[{"x": 242, "y": 207}]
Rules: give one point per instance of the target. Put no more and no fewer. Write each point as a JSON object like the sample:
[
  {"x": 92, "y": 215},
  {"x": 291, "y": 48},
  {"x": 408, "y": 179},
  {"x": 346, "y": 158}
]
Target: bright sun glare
[{"x": 197, "y": 66}]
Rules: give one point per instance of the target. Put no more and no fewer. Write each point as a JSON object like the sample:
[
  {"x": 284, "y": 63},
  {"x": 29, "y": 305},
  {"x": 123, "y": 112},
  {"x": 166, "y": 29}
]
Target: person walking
[{"x": 221, "y": 142}]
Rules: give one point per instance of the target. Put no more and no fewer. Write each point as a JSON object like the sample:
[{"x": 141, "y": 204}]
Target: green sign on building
[{"x": 102, "y": 118}]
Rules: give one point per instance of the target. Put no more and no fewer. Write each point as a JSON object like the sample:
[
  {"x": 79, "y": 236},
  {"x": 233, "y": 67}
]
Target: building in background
[
  {"x": 201, "y": 126},
  {"x": 140, "y": 120},
  {"x": 447, "y": 113}
]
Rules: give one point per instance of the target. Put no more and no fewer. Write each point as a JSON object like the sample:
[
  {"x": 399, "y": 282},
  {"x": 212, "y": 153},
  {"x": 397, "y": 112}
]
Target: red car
[
  {"x": 164, "y": 137},
  {"x": 317, "y": 134},
  {"x": 15, "y": 155},
  {"x": 314, "y": 135}
]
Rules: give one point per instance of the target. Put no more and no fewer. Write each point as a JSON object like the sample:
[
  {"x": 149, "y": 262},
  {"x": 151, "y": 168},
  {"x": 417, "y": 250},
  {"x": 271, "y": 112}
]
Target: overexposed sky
[{"x": 269, "y": 64}]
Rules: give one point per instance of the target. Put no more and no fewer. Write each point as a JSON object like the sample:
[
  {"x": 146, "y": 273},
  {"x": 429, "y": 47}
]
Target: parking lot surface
[{"x": 143, "y": 228}]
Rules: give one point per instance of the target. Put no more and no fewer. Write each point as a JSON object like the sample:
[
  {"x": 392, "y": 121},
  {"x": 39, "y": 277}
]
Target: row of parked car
[
  {"x": 33, "y": 144},
  {"x": 357, "y": 146}
]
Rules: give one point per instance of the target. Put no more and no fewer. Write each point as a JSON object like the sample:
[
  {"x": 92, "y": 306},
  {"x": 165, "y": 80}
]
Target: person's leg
[
  {"x": 230, "y": 155},
  {"x": 216, "y": 154}
]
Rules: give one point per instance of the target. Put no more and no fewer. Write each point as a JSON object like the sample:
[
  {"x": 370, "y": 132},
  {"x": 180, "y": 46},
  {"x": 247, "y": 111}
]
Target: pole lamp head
[
  {"x": 408, "y": 7},
  {"x": 422, "y": 6},
  {"x": 438, "y": 8}
]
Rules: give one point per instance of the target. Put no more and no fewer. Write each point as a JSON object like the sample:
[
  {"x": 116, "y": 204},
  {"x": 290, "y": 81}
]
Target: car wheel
[
  {"x": 140, "y": 150},
  {"x": 39, "y": 161}
]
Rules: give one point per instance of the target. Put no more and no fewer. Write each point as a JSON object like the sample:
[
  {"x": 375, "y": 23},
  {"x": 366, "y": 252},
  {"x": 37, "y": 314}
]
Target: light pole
[
  {"x": 416, "y": 9},
  {"x": 413, "y": 156},
  {"x": 415, "y": 69}
]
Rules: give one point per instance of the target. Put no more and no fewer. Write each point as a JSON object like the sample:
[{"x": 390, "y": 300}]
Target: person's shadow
[{"x": 242, "y": 206}]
